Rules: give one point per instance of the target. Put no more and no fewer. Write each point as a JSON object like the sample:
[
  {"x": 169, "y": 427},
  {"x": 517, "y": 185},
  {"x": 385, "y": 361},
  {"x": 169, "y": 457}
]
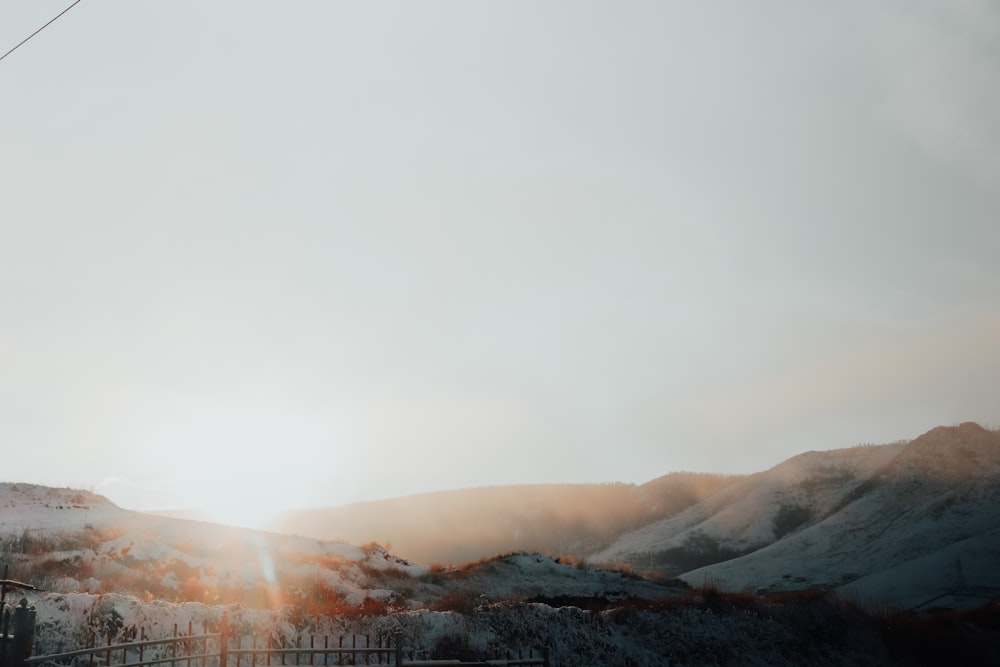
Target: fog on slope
[{"x": 466, "y": 525}]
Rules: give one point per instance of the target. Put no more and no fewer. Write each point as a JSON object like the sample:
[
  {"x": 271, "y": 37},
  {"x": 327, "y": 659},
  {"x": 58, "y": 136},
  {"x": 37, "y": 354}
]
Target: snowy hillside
[
  {"x": 29, "y": 506},
  {"x": 915, "y": 523},
  {"x": 902, "y": 523},
  {"x": 106, "y": 574},
  {"x": 752, "y": 513},
  {"x": 66, "y": 541}
]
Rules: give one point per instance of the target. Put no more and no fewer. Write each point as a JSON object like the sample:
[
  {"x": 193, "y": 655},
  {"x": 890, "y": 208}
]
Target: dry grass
[
  {"x": 956, "y": 638},
  {"x": 463, "y": 602},
  {"x": 573, "y": 561}
]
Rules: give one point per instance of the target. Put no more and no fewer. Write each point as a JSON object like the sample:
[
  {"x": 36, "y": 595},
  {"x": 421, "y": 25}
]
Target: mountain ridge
[
  {"x": 854, "y": 519},
  {"x": 909, "y": 521},
  {"x": 908, "y": 532}
]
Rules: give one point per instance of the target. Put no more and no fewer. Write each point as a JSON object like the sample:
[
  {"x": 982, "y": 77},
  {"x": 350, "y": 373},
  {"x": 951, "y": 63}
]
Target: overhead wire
[{"x": 51, "y": 21}]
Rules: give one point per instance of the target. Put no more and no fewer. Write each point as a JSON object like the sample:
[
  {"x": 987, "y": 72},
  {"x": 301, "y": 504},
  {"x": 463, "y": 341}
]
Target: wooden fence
[{"x": 224, "y": 649}]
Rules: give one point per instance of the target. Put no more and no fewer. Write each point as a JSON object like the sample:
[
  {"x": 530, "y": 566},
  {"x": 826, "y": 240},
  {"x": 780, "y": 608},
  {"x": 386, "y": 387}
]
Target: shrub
[
  {"x": 454, "y": 647},
  {"x": 789, "y": 518},
  {"x": 698, "y": 550},
  {"x": 463, "y": 602}
]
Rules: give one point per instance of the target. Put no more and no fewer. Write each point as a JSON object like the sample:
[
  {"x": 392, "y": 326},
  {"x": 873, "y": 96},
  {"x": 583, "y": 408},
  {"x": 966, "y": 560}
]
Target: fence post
[
  {"x": 545, "y": 656},
  {"x": 24, "y": 632},
  {"x": 223, "y": 638},
  {"x": 4, "y": 628},
  {"x": 399, "y": 650}
]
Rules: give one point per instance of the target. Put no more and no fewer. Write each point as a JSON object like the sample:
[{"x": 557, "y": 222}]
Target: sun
[
  {"x": 243, "y": 494},
  {"x": 232, "y": 507},
  {"x": 242, "y": 466}
]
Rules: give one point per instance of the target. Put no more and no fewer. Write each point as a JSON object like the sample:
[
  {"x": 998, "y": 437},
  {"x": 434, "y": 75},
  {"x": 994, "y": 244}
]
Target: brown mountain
[{"x": 470, "y": 524}]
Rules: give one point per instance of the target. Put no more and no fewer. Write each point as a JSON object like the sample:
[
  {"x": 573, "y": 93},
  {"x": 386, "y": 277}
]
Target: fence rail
[
  {"x": 215, "y": 650},
  {"x": 182, "y": 639},
  {"x": 103, "y": 654}
]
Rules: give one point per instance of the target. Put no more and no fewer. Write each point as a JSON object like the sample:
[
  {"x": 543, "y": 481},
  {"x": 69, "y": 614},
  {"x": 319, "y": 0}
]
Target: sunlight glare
[{"x": 241, "y": 466}]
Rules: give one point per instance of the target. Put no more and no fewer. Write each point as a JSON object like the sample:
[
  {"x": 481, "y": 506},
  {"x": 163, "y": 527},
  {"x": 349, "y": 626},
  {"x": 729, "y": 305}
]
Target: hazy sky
[{"x": 305, "y": 253}]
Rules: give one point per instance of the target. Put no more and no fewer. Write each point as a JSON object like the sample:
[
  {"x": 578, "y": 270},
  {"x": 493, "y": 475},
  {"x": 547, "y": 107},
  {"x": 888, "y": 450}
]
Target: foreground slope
[{"x": 68, "y": 541}]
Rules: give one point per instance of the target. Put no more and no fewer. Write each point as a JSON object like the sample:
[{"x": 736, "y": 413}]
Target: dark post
[
  {"x": 399, "y": 650},
  {"x": 545, "y": 656},
  {"x": 6, "y": 583},
  {"x": 24, "y": 632},
  {"x": 4, "y": 628},
  {"x": 223, "y": 638}
]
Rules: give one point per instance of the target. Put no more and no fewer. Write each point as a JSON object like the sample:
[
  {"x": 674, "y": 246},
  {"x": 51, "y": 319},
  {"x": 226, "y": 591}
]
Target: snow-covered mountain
[
  {"x": 752, "y": 513},
  {"x": 906, "y": 523},
  {"x": 911, "y": 523}
]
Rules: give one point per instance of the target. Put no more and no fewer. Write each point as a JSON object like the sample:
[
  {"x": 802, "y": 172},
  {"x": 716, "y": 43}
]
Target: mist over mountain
[
  {"x": 911, "y": 522},
  {"x": 469, "y": 524}
]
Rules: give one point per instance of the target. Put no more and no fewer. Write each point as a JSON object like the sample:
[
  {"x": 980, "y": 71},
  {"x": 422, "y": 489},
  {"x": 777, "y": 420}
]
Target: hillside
[
  {"x": 66, "y": 541},
  {"x": 469, "y": 524},
  {"x": 913, "y": 525},
  {"x": 908, "y": 523},
  {"x": 108, "y": 575},
  {"x": 752, "y": 513}
]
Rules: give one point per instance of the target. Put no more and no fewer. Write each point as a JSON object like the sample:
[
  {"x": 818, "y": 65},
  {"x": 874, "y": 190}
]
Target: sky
[{"x": 260, "y": 255}]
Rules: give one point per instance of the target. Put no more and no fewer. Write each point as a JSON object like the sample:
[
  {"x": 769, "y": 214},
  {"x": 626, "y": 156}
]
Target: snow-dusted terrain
[
  {"x": 746, "y": 516},
  {"x": 55, "y": 535},
  {"x": 909, "y": 525},
  {"x": 903, "y": 524}
]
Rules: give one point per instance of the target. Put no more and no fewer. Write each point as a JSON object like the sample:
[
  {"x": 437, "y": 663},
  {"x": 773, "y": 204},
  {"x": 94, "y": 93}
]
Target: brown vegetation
[{"x": 463, "y": 526}]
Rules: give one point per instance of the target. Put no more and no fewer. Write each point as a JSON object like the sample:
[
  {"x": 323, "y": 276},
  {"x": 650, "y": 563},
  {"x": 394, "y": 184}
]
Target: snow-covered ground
[
  {"x": 694, "y": 632},
  {"x": 912, "y": 525}
]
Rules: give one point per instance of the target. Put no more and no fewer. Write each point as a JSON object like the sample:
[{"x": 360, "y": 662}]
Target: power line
[{"x": 40, "y": 29}]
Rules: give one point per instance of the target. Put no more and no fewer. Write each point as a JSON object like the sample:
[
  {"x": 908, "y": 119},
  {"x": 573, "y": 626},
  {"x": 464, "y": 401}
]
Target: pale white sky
[{"x": 264, "y": 254}]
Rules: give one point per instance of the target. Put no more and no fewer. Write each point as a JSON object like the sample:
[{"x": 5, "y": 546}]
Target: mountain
[
  {"x": 104, "y": 575},
  {"x": 912, "y": 523},
  {"x": 69, "y": 541},
  {"x": 469, "y": 524},
  {"x": 752, "y": 513}
]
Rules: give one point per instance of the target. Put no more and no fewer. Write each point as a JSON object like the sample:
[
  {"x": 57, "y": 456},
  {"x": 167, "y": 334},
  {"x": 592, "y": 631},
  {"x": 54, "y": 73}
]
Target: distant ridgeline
[{"x": 469, "y": 524}]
